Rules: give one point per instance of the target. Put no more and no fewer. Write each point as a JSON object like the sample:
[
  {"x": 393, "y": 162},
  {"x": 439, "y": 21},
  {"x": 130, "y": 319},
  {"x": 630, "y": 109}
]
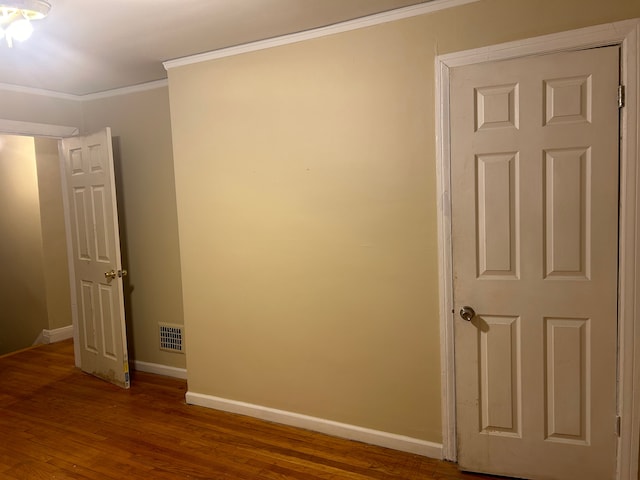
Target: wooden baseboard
[{"x": 351, "y": 432}]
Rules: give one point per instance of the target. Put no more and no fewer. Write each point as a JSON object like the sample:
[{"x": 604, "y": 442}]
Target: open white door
[{"x": 93, "y": 221}]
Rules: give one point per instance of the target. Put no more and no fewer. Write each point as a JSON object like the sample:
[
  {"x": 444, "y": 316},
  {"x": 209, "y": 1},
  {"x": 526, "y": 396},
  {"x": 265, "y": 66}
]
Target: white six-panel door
[
  {"x": 90, "y": 184},
  {"x": 534, "y": 169}
]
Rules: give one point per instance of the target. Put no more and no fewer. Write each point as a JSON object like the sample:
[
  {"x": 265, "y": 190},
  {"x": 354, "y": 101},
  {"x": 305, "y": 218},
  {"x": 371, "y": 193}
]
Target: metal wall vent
[{"x": 171, "y": 337}]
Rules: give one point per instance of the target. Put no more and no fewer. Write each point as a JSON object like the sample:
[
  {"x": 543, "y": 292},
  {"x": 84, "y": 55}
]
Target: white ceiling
[{"x": 89, "y": 46}]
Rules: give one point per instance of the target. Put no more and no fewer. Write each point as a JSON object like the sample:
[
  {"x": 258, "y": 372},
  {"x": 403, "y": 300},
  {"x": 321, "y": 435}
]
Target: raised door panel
[
  {"x": 567, "y": 198},
  {"x": 88, "y": 317},
  {"x": 100, "y": 215},
  {"x": 83, "y": 226},
  {"x": 497, "y": 215},
  {"x": 500, "y": 375},
  {"x": 567, "y": 380}
]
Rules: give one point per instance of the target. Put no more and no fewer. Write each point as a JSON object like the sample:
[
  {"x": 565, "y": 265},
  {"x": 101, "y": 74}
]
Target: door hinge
[
  {"x": 618, "y": 425},
  {"x": 620, "y": 96}
]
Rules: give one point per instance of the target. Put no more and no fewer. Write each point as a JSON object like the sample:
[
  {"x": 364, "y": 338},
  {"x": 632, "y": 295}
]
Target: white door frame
[
  {"x": 626, "y": 34},
  {"x": 14, "y": 127}
]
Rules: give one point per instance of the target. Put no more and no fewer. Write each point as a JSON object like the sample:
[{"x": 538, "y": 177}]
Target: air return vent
[{"x": 171, "y": 337}]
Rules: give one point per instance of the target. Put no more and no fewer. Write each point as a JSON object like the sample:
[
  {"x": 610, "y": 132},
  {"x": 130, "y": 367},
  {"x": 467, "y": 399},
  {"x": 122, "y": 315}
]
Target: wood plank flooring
[{"x": 59, "y": 423}]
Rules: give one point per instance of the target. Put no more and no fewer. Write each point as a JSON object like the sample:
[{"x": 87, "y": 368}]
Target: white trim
[
  {"x": 627, "y": 34},
  {"x": 329, "y": 427},
  {"x": 6, "y": 87},
  {"x": 589, "y": 37},
  {"x": 159, "y": 369},
  {"x": 88, "y": 97},
  {"x": 52, "y": 336},
  {"x": 116, "y": 92},
  {"x": 57, "y": 334},
  {"x": 364, "y": 22},
  {"x": 445, "y": 269},
  {"x": 14, "y": 127},
  {"x": 629, "y": 263}
]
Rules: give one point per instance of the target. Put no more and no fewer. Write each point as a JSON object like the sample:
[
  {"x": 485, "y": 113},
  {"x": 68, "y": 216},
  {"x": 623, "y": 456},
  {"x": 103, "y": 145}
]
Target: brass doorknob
[{"x": 112, "y": 274}]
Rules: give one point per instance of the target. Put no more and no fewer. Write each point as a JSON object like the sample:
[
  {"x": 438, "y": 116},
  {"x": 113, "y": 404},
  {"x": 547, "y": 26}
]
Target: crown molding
[
  {"x": 7, "y": 87},
  {"x": 369, "y": 21},
  {"x": 116, "y": 92},
  {"x": 88, "y": 97},
  {"x": 15, "y": 127}
]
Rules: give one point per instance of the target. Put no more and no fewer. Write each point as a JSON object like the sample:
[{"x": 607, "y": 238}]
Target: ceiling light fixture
[{"x": 16, "y": 16}]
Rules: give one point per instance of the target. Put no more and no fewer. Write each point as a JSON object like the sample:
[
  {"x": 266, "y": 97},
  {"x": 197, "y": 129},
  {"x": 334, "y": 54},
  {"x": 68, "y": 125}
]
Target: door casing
[{"x": 627, "y": 35}]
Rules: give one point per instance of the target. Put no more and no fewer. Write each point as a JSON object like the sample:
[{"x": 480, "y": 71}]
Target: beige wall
[
  {"x": 305, "y": 182},
  {"x": 35, "y": 281},
  {"x": 23, "y": 315},
  {"x": 54, "y": 240},
  {"x": 140, "y": 124}
]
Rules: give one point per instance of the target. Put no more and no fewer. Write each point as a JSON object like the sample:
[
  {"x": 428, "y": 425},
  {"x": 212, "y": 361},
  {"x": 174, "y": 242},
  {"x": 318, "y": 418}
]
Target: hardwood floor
[{"x": 59, "y": 423}]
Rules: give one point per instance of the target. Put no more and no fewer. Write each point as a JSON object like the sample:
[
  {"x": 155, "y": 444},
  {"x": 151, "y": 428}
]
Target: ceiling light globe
[
  {"x": 20, "y": 30},
  {"x": 31, "y": 9}
]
